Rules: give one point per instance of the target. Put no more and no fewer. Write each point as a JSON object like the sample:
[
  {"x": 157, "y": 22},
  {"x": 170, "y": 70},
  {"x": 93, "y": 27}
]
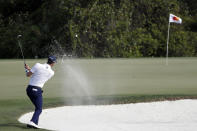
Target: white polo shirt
[{"x": 41, "y": 74}]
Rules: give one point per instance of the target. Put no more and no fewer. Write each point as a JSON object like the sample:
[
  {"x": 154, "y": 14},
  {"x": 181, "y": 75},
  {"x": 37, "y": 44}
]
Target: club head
[{"x": 19, "y": 36}]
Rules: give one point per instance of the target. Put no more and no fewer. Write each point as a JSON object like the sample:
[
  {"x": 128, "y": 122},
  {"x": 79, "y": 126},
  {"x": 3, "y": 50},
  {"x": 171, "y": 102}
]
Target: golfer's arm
[
  {"x": 28, "y": 70},
  {"x": 28, "y": 74}
]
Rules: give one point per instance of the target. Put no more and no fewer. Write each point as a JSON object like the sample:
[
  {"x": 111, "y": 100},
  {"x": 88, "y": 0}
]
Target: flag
[{"x": 175, "y": 19}]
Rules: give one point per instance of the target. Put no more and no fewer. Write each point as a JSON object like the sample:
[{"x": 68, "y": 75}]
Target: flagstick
[{"x": 167, "y": 43}]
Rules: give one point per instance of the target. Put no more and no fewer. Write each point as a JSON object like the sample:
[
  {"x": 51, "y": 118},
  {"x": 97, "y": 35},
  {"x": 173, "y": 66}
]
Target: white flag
[{"x": 175, "y": 19}]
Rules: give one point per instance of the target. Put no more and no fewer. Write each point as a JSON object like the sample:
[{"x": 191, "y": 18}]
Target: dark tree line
[{"x": 97, "y": 28}]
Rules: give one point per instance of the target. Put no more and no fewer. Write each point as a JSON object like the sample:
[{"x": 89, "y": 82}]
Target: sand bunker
[{"x": 156, "y": 116}]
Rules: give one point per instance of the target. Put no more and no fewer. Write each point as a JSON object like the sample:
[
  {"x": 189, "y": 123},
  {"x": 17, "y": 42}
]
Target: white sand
[{"x": 156, "y": 116}]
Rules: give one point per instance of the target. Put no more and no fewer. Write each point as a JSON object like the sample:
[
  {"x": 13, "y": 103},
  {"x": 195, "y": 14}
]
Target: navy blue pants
[{"x": 35, "y": 95}]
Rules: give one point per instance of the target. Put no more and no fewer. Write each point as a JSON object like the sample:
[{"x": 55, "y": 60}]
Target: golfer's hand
[
  {"x": 27, "y": 70},
  {"x": 27, "y": 67}
]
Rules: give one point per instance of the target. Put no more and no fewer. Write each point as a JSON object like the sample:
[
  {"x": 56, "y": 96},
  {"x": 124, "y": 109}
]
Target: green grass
[
  {"x": 137, "y": 76},
  {"x": 110, "y": 81}
]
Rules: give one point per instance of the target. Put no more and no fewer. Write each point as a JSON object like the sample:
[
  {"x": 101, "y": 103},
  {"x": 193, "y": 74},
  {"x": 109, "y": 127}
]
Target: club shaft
[{"x": 21, "y": 52}]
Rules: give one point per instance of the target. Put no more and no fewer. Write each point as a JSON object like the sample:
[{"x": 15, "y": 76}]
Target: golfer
[{"x": 40, "y": 73}]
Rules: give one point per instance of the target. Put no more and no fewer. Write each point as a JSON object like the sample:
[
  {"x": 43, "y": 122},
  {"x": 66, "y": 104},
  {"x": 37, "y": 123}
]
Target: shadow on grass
[{"x": 16, "y": 126}]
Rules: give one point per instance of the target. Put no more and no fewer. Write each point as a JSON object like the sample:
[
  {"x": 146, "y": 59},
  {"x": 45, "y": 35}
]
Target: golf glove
[{"x": 26, "y": 70}]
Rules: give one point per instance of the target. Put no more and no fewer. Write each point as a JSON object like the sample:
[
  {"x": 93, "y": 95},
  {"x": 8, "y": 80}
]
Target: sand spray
[{"x": 75, "y": 83}]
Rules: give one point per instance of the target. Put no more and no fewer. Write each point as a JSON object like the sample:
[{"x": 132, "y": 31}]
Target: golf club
[{"x": 19, "y": 44}]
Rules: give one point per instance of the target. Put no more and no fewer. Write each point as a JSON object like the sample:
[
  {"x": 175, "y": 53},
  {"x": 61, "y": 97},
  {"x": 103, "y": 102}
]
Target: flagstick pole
[{"x": 167, "y": 43}]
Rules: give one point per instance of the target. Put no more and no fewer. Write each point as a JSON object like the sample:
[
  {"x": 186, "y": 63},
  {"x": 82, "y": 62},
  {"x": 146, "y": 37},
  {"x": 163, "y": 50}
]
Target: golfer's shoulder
[
  {"x": 35, "y": 68},
  {"x": 37, "y": 65},
  {"x": 49, "y": 69}
]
